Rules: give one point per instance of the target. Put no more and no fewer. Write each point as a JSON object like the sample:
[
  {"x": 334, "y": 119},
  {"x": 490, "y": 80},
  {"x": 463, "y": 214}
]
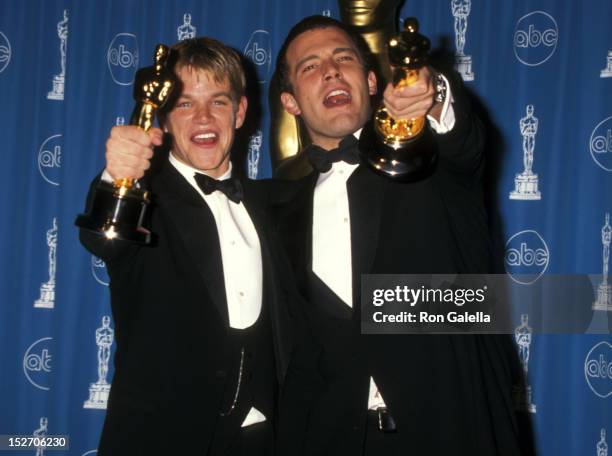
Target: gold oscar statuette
[
  {"x": 402, "y": 149},
  {"x": 118, "y": 208}
]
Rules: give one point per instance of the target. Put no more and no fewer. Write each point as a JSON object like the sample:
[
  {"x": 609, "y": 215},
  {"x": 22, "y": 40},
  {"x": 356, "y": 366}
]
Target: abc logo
[
  {"x": 37, "y": 363},
  {"x": 98, "y": 270},
  {"x": 600, "y": 144},
  {"x": 598, "y": 369},
  {"x": 50, "y": 159},
  {"x": 259, "y": 51},
  {"x": 535, "y": 38},
  {"x": 5, "y": 52},
  {"x": 122, "y": 57},
  {"x": 526, "y": 257}
]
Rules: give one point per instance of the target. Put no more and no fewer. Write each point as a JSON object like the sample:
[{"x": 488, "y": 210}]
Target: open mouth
[
  {"x": 205, "y": 139},
  {"x": 338, "y": 97}
]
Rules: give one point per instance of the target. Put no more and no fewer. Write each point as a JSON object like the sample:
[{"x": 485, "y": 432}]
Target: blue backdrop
[{"x": 542, "y": 69}]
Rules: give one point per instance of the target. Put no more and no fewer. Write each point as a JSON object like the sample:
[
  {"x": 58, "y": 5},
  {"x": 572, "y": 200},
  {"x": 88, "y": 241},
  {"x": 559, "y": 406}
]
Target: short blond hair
[{"x": 213, "y": 57}]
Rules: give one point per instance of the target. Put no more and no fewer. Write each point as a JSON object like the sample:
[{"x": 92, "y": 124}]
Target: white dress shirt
[
  {"x": 240, "y": 251},
  {"x": 331, "y": 227},
  {"x": 241, "y": 257}
]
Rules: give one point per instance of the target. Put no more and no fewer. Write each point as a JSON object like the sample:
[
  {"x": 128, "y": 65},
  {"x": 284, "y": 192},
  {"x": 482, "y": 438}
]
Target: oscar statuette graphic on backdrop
[
  {"x": 604, "y": 290},
  {"x": 253, "y": 154},
  {"x": 186, "y": 30},
  {"x": 526, "y": 183},
  {"x": 47, "y": 289},
  {"x": 607, "y": 71},
  {"x": 602, "y": 445},
  {"x": 522, "y": 394},
  {"x": 59, "y": 80},
  {"x": 99, "y": 391},
  {"x": 40, "y": 433},
  {"x": 463, "y": 63}
]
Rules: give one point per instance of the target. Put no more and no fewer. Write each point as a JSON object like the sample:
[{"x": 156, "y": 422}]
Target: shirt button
[
  {"x": 341, "y": 171},
  {"x": 345, "y": 219},
  {"x": 241, "y": 294},
  {"x": 232, "y": 242}
]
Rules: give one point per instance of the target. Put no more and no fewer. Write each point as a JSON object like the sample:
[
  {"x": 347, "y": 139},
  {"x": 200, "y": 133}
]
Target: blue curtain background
[{"x": 551, "y": 54}]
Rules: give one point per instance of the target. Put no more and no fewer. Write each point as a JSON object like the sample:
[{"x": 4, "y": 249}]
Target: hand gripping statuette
[
  {"x": 401, "y": 149},
  {"x": 118, "y": 208}
]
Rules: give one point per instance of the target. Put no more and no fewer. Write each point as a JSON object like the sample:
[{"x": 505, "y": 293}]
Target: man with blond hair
[{"x": 200, "y": 314}]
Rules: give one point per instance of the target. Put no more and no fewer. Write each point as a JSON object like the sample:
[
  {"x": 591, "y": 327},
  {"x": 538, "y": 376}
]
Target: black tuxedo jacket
[
  {"x": 447, "y": 394},
  {"x": 176, "y": 367}
]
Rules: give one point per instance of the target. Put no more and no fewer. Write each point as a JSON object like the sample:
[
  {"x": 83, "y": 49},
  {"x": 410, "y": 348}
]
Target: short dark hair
[{"x": 313, "y": 23}]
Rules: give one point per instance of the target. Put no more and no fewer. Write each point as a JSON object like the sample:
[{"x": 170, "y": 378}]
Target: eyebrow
[
  {"x": 222, "y": 94},
  {"x": 213, "y": 95},
  {"x": 338, "y": 50}
]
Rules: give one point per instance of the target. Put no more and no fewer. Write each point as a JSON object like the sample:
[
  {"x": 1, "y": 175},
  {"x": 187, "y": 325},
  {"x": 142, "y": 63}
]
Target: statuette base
[
  {"x": 47, "y": 296},
  {"x": 526, "y": 187},
  {"x": 58, "y": 88},
  {"x": 407, "y": 160},
  {"x": 116, "y": 214},
  {"x": 604, "y": 298},
  {"x": 463, "y": 64},
  {"x": 98, "y": 396}
]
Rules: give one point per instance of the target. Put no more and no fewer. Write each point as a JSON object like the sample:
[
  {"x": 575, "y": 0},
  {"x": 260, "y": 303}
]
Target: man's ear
[
  {"x": 371, "y": 83},
  {"x": 241, "y": 111},
  {"x": 290, "y": 104}
]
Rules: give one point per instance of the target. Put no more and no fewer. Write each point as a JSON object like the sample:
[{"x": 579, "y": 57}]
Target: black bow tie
[
  {"x": 322, "y": 159},
  {"x": 232, "y": 187}
]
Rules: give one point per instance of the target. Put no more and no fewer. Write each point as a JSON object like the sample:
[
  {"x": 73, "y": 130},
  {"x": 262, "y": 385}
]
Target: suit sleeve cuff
[
  {"x": 447, "y": 117},
  {"x": 106, "y": 177}
]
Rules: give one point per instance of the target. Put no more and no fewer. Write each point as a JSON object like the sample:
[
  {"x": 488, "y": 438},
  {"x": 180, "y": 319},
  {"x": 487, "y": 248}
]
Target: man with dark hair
[
  {"x": 200, "y": 314},
  {"x": 350, "y": 394}
]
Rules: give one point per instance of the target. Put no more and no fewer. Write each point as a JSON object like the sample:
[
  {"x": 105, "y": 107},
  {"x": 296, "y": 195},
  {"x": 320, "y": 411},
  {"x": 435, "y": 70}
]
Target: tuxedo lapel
[
  {"x": 305, "y": 207},
  {"x": 196, "y": 227},
  {"x": 365, "y": 193},
  {"x": 296, "y": 227}
]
